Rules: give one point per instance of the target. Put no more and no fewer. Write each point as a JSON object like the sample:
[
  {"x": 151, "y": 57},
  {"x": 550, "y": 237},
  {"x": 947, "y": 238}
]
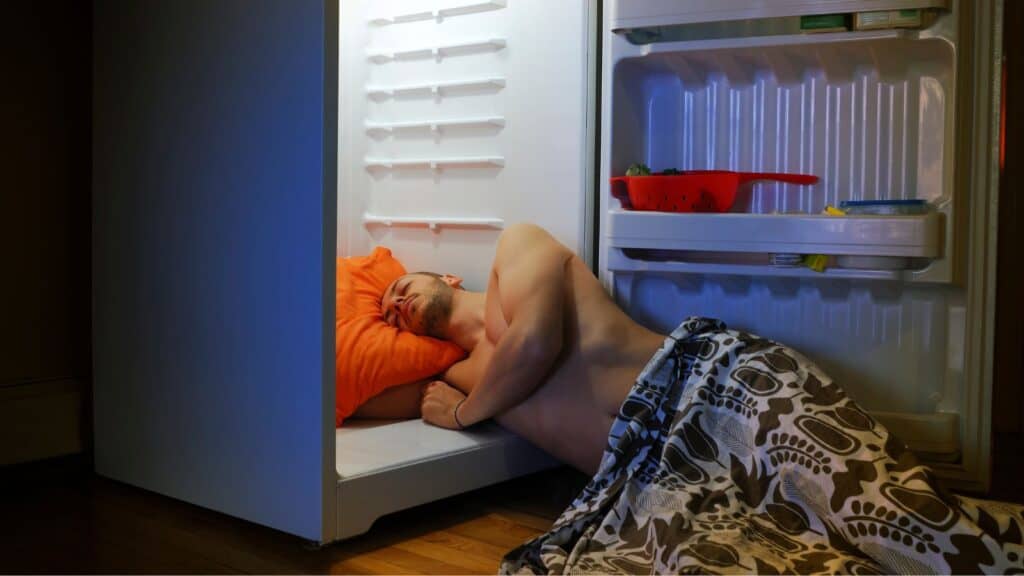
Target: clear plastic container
[{"x": 884, "y": 207}]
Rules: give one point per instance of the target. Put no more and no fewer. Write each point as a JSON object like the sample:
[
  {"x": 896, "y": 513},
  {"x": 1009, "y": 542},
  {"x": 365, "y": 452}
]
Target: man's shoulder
[
  {"x": 525, "y": 230},
  {"x": 523, "y": 237}
]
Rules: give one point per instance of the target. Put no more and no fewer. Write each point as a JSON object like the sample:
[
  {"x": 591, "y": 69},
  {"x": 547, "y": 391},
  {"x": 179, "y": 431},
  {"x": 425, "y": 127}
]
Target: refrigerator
[{"x": 439, "y": 124}]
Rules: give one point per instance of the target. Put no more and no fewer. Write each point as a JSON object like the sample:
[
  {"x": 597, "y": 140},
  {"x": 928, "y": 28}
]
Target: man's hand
[{"x": 438, "y": 406}]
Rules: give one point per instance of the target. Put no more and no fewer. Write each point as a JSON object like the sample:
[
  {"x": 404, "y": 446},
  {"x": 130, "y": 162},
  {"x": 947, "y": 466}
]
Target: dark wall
[
  {"x": 45, "y": 191},
  {"x": 1008, "y": 386}
]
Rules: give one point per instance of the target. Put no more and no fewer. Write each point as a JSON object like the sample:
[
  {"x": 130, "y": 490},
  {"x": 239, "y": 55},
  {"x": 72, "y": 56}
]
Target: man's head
[{"x": 420, "y": 302}]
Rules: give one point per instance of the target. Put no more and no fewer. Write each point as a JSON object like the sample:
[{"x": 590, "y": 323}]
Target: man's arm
[
  {"x": 465, "y": 374},
  {"x": 529, "y": 272},
  {"x": 401, "y": 401}
]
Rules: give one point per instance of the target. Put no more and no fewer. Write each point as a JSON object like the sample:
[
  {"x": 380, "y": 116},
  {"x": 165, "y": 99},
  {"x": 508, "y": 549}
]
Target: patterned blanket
[{"x": 733, "y": 453}]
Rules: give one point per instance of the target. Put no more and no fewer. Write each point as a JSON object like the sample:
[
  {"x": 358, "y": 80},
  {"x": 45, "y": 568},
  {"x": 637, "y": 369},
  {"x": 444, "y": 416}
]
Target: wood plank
[
  {"x": 367, "y": 565},
  {"x": 413, "y": 563},
  {"x": 59, "y": 518},
  {"x": 441, "y": 550},
  {"x": 495, "y": 530},
  {"x": 465, "y": 544},
  {"x": 528, "y": 519}
]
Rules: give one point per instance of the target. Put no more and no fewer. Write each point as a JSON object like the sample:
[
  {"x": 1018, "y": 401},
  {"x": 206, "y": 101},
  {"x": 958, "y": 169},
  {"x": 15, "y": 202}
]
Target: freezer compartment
[{"x": 870, "y": 113}]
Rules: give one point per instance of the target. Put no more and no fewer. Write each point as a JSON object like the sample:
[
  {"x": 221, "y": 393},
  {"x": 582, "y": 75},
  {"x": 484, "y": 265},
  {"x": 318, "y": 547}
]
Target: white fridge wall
[
  {"x": 875, "y": 115},
  {"x": 523, "y": 113}
]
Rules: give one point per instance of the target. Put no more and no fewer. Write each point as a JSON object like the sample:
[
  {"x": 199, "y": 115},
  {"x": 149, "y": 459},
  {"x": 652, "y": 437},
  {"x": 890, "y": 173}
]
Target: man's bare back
[
  {"x": 551, "y": 356},
  {"x": 570, "y": 413}
]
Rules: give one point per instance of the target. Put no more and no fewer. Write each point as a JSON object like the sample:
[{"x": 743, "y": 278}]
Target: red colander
[{"x": 692, "y": 190}]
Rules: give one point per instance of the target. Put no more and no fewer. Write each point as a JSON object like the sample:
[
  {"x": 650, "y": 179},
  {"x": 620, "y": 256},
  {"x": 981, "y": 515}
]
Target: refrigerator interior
[
  {"x": 457, "y": 119},
  {"x": 874, "y": 115}
]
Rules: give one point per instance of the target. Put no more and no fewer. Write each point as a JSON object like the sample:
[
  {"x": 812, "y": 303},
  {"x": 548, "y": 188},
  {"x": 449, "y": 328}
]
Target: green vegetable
[
  {"x": 670, "y": 171},
  {"x": 638, "y": 170}
]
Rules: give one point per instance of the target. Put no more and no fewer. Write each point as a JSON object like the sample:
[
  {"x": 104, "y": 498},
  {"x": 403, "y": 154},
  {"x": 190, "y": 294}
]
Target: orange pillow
[{"x": 370, "y": 355}]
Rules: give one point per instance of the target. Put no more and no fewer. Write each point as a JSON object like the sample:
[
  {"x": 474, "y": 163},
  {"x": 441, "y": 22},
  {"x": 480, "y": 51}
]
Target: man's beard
[{"x": 437, "y": 312}]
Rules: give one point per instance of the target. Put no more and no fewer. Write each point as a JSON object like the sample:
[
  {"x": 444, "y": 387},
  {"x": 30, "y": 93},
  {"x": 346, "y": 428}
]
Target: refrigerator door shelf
[
  {"x": 627, "y": 261},
  {"x": 763, "y": 41},
  {"x": 641, "y": 13},
  {"x": 908, "y": 236}
]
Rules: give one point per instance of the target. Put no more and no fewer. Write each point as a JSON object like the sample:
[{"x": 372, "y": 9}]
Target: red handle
[
  {"x": 620, "y": 192},
  {"x": 778, "y": 176}
]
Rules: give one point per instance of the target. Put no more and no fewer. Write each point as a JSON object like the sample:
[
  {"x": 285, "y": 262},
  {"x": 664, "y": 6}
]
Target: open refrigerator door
[{"x": 898, "y": 306}]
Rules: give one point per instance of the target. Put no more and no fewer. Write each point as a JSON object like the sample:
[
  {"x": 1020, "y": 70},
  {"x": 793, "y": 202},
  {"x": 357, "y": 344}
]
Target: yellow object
[{"x": 818, "y": 262}]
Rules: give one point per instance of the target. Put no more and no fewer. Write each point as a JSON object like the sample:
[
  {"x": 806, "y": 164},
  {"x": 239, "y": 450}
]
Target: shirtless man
[{"x": 545, "y": 319}]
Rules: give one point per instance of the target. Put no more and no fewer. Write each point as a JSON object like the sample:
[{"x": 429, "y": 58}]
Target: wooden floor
[{"x": 57, "y": 517}]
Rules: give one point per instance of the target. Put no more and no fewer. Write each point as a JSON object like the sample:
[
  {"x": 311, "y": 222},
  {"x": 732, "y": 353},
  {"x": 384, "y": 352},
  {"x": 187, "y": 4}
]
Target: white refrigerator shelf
[
  {"x": 813, "y": 40},
  {"x": 618, "y": 261},
  {"x": 909, "y": 236},
  {"x": 640, "y": 13}
]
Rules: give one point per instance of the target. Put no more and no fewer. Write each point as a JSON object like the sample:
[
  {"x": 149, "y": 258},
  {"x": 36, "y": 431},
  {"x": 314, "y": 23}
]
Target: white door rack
[
  {"x": 618, "y": 261},
  {"x": 913, "y": 236},
  {"x": 434, "y": 223},
  {"x": 435, "y": 163},
  {"x": 435, "y": 88},
  {"x": 437, "y": 14},
  {"x": 434, "y": 125},
  {"x": 439, "y": 51},
  {"x": 814, "y": 40}
]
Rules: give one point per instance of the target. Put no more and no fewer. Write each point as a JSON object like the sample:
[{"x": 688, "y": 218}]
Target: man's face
[{"x": 418, "y": 303}]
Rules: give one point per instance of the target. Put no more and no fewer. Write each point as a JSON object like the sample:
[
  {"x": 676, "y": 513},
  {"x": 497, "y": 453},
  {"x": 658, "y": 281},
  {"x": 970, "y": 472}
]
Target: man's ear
[{"x": 452, "y": 280}]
